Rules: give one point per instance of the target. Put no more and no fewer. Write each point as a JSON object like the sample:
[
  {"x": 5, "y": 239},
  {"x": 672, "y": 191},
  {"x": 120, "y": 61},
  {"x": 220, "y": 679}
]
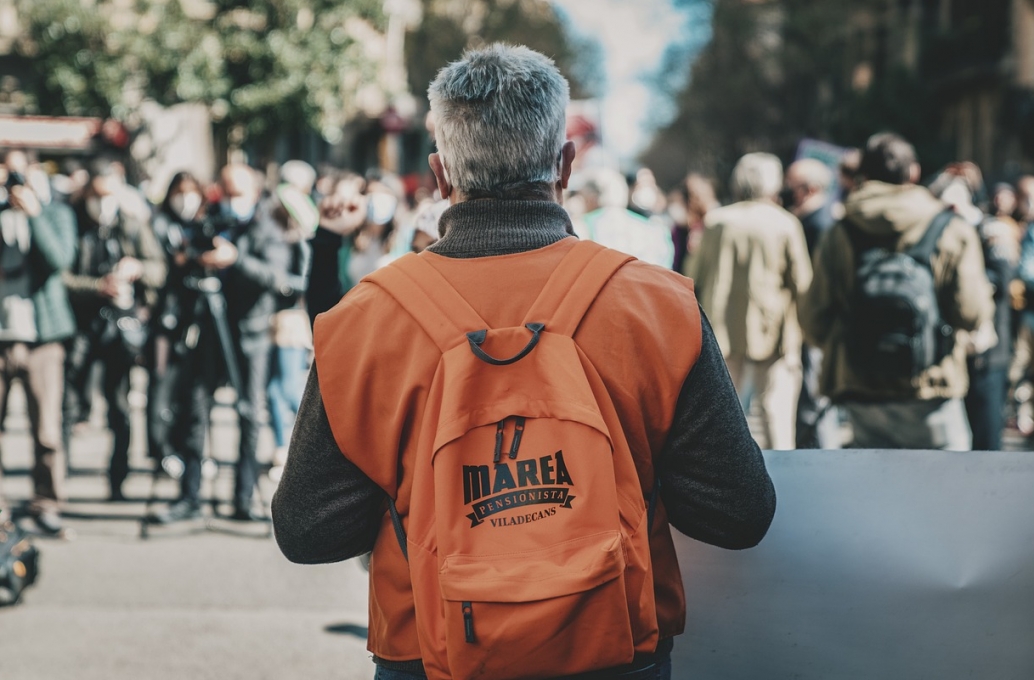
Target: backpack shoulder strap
[
  {"x": 430, "y": 299},
  {"x": 923, "y": 250},
  {"x": 574, "y": 285}
]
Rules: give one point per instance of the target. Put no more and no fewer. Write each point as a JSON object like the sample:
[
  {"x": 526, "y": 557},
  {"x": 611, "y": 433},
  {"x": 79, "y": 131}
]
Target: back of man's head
[
  {"x": 810, "y": 173},
  {"x": 889, "y": 158},
  {"x": 499, "y": 119},
  {"x": 757, "y": 176}
]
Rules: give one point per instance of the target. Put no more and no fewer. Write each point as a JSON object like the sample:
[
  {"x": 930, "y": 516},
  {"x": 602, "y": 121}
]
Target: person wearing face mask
[
  {"x": 244, "y": 250},
  {"x": 177, "y": 217},
  {"x": 373, "y": 240},
  {"x": 37, "y": 244},
  {"x": 114, "y": 286},
  {"x": 297, "y": 217}
]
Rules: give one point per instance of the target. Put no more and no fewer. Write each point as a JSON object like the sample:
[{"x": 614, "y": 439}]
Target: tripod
[{"x": 210, "y": 304}]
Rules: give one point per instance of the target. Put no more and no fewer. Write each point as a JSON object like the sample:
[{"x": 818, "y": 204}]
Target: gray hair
[
  {"x": 499, "y": 119},
  {"x": 756, "y": 176},
  {"x": 813, "y": 173}
]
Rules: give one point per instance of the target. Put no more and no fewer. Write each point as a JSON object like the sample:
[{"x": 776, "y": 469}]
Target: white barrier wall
[{"x": 881, "y": 565}]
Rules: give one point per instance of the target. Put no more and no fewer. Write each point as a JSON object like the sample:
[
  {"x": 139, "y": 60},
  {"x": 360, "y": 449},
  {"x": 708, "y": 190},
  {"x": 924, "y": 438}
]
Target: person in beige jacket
[
  {"x": 750, "y": 270},
  {"x": 928, "y": 413}
]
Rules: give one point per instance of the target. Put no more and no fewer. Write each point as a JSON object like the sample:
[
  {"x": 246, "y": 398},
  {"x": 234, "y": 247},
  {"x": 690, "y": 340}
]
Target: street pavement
[{"x": 212, "y": 599}]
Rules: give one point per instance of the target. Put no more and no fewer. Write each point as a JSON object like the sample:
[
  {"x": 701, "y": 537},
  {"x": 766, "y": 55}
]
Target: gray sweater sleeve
[
  {"x": 714, "y": 483},
  {"x": 325, "y": 509},
  {"x": 713, "y": 480}
]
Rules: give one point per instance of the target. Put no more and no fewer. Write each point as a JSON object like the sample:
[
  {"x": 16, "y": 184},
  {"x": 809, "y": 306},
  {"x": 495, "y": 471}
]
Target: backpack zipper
[
  {"x": 499, "y": 441},
  {"x": 468, "y": 622},
  {"x": 518, "y": 431}
]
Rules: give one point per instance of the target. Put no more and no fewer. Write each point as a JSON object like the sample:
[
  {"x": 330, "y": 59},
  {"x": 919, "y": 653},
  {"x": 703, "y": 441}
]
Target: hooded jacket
[{"x": 901, "y": 214}]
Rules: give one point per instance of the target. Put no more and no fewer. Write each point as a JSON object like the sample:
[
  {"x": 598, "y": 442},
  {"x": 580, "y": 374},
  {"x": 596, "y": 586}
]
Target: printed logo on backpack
[{"x": 528, "y": 530}]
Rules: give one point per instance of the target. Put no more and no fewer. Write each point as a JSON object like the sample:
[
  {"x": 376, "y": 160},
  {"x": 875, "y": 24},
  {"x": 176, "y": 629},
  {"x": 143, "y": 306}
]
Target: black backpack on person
[{"x": 895, "y": 329}]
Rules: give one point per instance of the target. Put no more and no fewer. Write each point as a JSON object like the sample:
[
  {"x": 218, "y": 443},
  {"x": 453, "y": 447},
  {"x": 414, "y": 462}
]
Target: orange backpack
[{"x": 528, "y": 529}]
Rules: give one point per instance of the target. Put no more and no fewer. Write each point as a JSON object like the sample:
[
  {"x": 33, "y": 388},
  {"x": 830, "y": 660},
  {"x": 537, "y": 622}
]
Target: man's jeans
[
  {"x": 928, "y": 424},
  {"x": 288, "y": 367}
]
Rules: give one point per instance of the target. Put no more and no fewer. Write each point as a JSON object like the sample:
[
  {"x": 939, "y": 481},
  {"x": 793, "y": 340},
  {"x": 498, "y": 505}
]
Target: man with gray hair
[
  {"x": 358, "y": 473},
  {"x": 750, "y": 269}
]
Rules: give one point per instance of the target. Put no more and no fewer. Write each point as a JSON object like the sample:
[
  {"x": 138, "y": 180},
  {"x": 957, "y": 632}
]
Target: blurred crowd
[
  {"x": 218, "y": 284},
  {"x": 214, "y": 285}
]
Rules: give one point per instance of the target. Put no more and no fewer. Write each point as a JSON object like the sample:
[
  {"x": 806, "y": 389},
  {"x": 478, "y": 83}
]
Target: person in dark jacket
[
  {"x": 37, "y": 246},
  {"x": 249, "y": 259},
  {"x": 113, "y": 285},
  {"x": 177, "y": 217}
]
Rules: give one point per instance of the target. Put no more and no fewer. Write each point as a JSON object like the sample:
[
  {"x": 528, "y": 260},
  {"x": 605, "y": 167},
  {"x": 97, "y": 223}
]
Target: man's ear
[
  {"x": 438, "y": 168},
  {"x": 566, "y": 162}
]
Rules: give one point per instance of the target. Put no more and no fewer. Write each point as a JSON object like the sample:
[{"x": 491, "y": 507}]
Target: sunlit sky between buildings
[{"x": 634, "y": 35}]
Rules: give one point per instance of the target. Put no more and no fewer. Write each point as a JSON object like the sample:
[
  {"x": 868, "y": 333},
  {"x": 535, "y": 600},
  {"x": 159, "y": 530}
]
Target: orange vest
[{"x": 375, "y": 367}]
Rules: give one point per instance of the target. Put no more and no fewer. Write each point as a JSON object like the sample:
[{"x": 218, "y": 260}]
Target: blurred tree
[
  {"x": 451, "y": 26},
  {"x": 777, "y": 71},
  {"x": 259, "y": 65}
]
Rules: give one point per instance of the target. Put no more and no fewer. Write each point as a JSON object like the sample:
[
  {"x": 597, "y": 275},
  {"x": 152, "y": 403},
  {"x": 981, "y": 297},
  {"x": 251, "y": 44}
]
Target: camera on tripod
[{"x": 201, "y": 238}]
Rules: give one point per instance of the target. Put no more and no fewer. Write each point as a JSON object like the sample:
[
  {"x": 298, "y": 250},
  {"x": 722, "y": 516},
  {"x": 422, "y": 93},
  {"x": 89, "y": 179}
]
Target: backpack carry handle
[{"x": 475, "y": 338}]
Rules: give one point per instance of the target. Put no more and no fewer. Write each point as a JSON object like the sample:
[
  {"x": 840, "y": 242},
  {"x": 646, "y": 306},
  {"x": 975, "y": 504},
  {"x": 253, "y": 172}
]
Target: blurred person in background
[
  {"x": 300, "y": 175},
  {"x": 425, "y": 225},
  {"x": 847, "y": 178},
  {"x": 1023, "y": 301},
  {"x": 114, "y": 287},
  {"x": 177, "y": 217},
  {"x": 342, "y": 212},
  {"x": 646, "y": 197},
  {"x": 37, "y": 245},
  {"x": 609, "y": 222},
  {"x": 989, "y": 347},
  {"x": 294, "y": 212},
  {"x": 372, "y": 243},
  {"x": 916, "y": 406},
  {"x": 1003, "y": 209},
  {"x": 807, "y": 194},
  {"x": 750, "y": 270},
  {"x": 698, "y": 198},
  {"x": 250, "y": 258}
]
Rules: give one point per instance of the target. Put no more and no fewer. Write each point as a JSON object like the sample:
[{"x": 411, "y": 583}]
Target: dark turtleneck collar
[{"x": 486, "y": 227}]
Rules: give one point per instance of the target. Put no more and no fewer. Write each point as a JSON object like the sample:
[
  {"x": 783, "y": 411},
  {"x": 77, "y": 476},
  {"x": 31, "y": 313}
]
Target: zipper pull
[
  {"x": 468, "y": 622},
  {"x": 498, "y": 441},
  {"x": 518, "y": 431}
]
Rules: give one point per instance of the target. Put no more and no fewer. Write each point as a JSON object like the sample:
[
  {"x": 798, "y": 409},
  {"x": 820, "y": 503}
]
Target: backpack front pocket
[{"x": 537, "y": 614}]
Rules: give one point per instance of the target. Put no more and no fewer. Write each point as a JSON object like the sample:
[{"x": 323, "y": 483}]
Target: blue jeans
[
  {"x": 661, "y": 670},
  {"x": 287, "y": 367}
]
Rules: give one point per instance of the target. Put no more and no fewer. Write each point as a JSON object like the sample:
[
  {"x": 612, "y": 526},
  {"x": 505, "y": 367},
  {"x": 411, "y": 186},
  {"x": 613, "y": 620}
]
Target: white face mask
[
  {"x": 242, "y": 208},
  {"x": 382, "y": 207},
  {"x": 103, "y": 209},
  {"x": 186, "y": 205}
]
